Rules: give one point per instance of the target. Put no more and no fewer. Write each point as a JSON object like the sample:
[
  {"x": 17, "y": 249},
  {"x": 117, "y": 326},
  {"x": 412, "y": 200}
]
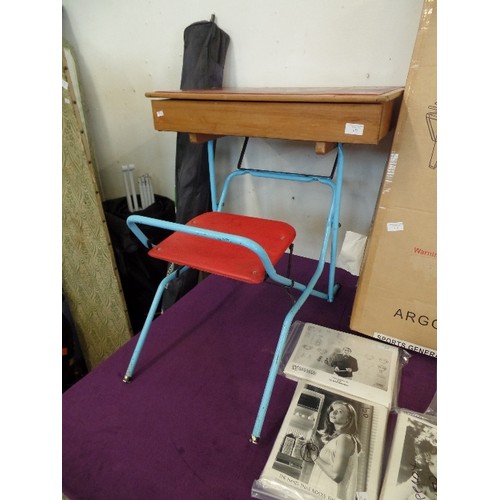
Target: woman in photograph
[{"x": 335, "y": 469}]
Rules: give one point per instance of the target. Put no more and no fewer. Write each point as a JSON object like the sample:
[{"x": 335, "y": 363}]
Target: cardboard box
[{"x": 396, "y": 296}]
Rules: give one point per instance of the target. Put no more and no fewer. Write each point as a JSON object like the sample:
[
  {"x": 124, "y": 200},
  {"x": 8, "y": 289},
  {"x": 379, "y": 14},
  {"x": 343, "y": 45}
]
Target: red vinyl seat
[{"x": 223, "y": 258}]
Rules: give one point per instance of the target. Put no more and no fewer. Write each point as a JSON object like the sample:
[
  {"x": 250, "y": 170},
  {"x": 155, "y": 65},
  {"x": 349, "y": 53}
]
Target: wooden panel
[
  {"x": 317, "y": 122},
  {"x": 297, "y": 94},
  {"x": 322, "y": 148}
]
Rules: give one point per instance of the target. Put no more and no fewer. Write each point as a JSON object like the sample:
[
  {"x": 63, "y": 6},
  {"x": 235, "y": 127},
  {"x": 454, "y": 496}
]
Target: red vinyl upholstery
[{"x": 224, "y": 258}]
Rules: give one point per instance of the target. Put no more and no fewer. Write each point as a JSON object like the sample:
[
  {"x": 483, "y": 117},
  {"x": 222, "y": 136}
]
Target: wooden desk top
[
  {"x": 277, "y": 94},
  {"x": 323, "y": 115}
]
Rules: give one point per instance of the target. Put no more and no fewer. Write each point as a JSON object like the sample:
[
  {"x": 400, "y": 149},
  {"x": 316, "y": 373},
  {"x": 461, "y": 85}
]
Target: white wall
[{"x": 125, "y": 48}]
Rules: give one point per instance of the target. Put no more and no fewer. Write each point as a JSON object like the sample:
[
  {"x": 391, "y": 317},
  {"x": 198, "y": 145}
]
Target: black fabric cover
[
  {"x": 140, "y": 275},
  {"x": 205, "y": 48}
]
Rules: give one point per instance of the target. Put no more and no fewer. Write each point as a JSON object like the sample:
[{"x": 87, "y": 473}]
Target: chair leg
[
  {"x": 271, "y": 378},
  {"x": 273, "y": 371},
  {"x": 147, "y": 324}
]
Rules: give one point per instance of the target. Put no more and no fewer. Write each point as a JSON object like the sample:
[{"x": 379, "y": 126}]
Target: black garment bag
[{"x": 205, "y": 48}]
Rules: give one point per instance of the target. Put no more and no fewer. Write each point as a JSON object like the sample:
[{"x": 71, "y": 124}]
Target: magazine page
[
  {"x": 411, "y": 472},
  {"x": 329, "y": 446},
  {"x": 334, "y": 359}
]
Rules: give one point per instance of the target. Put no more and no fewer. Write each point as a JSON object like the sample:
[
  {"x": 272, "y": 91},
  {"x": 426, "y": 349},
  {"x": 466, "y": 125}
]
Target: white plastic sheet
[{"x": 351, "y": 253}]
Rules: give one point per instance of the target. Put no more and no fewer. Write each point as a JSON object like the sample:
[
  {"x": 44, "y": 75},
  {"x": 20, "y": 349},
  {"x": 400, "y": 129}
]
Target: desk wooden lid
[{"x": 285, "y": 94}]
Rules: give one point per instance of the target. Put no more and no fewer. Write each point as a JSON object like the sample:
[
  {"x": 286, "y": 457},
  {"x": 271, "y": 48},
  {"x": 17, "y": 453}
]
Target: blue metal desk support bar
[{"x": 329, "y": 245}]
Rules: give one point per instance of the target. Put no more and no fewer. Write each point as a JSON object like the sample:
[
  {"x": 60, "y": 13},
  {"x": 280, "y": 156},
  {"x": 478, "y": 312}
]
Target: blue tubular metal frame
[
  {"x": 329, "y": 244},
  {"x": 332, "y": 220}
]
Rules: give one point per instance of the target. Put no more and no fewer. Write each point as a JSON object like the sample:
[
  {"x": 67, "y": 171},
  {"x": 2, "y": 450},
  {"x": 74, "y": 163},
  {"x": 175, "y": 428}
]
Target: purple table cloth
[{"x": 180, "y": 430}]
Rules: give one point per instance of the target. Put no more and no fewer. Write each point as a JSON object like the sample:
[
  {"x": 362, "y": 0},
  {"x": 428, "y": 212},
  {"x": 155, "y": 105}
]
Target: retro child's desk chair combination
[{"x": 248, "y": 248}]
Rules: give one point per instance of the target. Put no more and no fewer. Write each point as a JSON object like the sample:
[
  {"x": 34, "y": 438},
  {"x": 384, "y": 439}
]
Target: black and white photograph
[
  {"x": 411, "y": 472},
  {"x": 331, "y": 358},
  {"x": 330, "y": 446}
]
